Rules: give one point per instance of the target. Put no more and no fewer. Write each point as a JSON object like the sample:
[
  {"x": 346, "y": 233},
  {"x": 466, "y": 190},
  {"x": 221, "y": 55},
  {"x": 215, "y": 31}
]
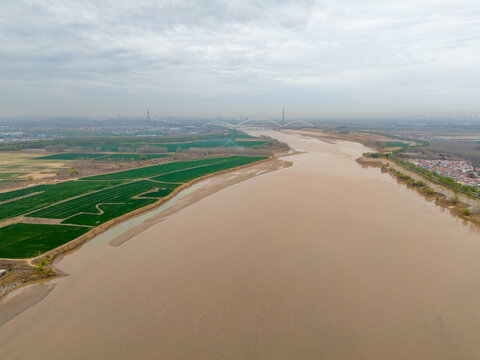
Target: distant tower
[
  {"x": 148, "y": 114},
  {"x": 283, "y": 117}
]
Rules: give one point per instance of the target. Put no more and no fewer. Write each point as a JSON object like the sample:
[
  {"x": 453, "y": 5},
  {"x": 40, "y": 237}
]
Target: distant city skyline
[{"x": 238, "y": 59}]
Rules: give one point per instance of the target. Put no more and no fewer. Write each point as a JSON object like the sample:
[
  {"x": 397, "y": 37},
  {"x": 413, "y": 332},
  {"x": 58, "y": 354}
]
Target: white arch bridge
[{"x": 227, "y": 124}]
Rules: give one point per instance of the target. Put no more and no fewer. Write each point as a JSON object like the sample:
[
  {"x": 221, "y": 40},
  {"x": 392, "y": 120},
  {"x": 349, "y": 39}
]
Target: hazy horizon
[{"x": 240, "y": 59}]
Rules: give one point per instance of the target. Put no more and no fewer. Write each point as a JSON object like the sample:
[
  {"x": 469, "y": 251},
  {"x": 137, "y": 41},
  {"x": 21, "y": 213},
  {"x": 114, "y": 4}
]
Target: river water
[{"x": 320, "y": 260}]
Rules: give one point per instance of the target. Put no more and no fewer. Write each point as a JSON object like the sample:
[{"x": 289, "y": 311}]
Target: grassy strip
[{"x": 19, "y": 241}]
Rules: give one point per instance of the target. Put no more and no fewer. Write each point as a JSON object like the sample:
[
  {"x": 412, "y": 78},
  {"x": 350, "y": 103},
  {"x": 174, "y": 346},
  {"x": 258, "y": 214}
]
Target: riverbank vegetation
[
  {"x": 408, "y": 179},
  {"x": 468, "y": 190}
]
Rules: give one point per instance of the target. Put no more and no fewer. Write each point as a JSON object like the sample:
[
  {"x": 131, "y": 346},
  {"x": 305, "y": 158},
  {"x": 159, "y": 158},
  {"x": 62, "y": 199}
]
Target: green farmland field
[
  {"x": 121, "y": 194},
  {"x": 223, "y": 142},
  {"x": 155, "y": 170},
  {"x": 101, "y": 157},
  {"x": 172, "y": 147},
  {"x": 110, "y": 211},
  {"x": 29, "y": 240},
  {"x": 130, "y": 157},
  {"x": 92, "y": 201},
  {"x": 92, "y": 147},
  {"x": 17, "y": 193},
  {"x": 162, "y": 190},
  {"x": 187, "y": 175},
  {"x": 47, "y": 195}
]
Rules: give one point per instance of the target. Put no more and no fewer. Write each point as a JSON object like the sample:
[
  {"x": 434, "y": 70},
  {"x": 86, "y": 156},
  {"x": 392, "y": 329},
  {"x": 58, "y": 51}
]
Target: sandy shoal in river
[{"x": 320, "y": 260}]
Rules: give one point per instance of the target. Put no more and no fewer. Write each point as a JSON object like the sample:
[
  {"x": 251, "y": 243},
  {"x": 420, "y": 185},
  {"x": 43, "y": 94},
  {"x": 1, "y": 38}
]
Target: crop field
[
  {"x": 162, "y": 190},
  {"x": 151, "y": 171},
  {"x": 226, "y": 141},
  {"x": 101, "y": 157},
  {"x": 120, "y": 194},
  {"x": 83, "y": 146},
  {"x": 18, "y": 193},
  {"x": 187, "y": 175},
  {"x": 130, "y": 157},
  {"x": 46, "y": 195},
  {"x": 92, "y": 201},
  {"x": 120, "y": 199},
  {"x": 171, "y": 147},
  {"x": 28, "y": 240},
  {"x": 223, "y": 142},
  {"x": 109, "y": 212}
]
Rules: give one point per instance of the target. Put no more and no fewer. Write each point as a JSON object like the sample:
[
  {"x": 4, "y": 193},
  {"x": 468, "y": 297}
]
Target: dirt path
[{"x": 20, "y": 197}]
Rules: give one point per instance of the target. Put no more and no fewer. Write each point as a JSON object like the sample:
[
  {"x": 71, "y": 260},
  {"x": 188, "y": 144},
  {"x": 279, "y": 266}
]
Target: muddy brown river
[{"x": 320, "y": 260}]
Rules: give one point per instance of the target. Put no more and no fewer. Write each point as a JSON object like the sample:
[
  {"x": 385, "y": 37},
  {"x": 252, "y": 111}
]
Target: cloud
[{"x": 237, "y": 57}]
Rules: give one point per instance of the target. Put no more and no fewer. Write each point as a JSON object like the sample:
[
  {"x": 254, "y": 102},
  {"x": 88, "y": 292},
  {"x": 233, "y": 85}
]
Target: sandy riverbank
[{"x": 322, "y": 259}]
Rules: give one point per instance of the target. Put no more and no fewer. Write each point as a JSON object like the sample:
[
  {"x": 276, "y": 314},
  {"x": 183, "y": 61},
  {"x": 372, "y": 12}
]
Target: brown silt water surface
[{"x": 320, "y": 260}]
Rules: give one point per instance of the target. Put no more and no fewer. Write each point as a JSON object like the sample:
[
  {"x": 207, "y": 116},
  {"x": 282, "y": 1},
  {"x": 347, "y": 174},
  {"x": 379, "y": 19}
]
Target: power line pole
[
  {"x": 283, "y": 117},
  {"x": 148, "y": 114}
]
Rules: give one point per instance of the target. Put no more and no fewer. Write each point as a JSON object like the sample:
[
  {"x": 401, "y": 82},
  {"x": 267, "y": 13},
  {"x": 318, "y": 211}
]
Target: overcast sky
[{"x": 239, "y": 58}]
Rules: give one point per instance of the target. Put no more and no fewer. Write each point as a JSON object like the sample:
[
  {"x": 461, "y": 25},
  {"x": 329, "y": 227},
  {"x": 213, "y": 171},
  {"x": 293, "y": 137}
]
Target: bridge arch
[
  {"x": 259, "y": 119},
  {"x": 227, "y": 124},
  {"x": 298, "y": 121}
]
